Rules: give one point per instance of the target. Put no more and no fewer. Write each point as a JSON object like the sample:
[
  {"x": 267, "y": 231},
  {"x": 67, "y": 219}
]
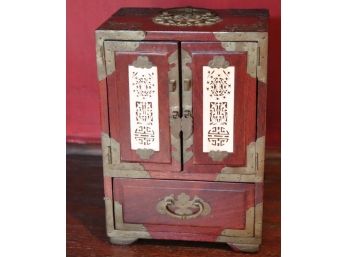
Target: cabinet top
[{"x": 187, "y": 19}]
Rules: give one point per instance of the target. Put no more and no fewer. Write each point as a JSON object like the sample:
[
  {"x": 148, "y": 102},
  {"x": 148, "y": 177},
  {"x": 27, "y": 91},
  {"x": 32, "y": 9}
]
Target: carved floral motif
[{"x": 187, "y": 17}]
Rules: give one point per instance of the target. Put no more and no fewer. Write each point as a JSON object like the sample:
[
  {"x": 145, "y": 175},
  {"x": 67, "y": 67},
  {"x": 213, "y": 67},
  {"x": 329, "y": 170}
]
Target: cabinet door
[
  {"x": 219, "y": 98},
  {"x": 143, "y": 99}
]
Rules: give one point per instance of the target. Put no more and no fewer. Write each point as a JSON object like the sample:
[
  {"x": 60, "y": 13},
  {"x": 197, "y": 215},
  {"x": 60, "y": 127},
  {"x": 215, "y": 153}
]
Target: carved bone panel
[
  {"x": 143, "y": 104},
  {"x": 218, "y": 106}
]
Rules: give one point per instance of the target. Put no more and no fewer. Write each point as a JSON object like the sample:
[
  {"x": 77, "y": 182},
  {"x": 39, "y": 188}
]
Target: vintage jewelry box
[{"x": 183, "y": 101}]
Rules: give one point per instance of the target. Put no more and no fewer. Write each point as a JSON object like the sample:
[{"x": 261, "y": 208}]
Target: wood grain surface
[{"x": 86, "y": 235}]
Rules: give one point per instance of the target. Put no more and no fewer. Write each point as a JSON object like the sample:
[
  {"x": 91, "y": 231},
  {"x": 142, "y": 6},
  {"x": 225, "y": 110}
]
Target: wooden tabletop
[{"x": 86, "y": 234}]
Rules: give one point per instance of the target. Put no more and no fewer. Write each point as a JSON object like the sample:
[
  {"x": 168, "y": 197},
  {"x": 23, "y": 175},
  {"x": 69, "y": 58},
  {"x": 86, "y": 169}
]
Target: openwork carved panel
[
  {"x": 187, "y": 17},
  {"x": 218, "y": 106},
  {"x": 143, "y": 101}
]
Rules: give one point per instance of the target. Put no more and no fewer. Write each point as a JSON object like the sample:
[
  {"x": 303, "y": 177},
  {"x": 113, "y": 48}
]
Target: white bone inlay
[
  {"x": 218, "y": 109},
  {"x": 143, "y": 103}
]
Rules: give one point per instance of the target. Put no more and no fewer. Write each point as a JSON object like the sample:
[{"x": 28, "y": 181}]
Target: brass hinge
[
  {"x": 106, "y": 147},
  {"x": 258, "y": 56},
  {"x": 109, "y": 155},
  {"x": 102, "y": 52}
]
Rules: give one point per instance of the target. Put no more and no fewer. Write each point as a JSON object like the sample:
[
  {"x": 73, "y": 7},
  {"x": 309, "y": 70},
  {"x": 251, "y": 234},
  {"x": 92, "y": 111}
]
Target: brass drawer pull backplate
[{"x": 182, "y": 207}]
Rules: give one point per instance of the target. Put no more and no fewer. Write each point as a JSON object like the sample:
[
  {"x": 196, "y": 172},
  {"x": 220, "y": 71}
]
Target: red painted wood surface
[
  {"x": 83, "y": 17},
  {"x": 228, "y": 201},
  {"x": 244, "y": 106},
  {"x": 118, "y": 85}
]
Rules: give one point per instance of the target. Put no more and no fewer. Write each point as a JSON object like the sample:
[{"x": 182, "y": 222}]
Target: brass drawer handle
[{"x": 182, "y": 207}]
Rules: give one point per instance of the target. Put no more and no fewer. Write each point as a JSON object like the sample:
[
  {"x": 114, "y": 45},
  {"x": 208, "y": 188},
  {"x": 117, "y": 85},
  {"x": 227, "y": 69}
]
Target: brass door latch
[{"x": 184, "y": 124}]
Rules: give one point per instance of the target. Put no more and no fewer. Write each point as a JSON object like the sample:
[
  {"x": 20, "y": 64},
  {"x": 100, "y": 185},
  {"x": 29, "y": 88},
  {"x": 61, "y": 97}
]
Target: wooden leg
[
  {"x": 249, "y": 248},
  {"x": 122, "y": 241}
]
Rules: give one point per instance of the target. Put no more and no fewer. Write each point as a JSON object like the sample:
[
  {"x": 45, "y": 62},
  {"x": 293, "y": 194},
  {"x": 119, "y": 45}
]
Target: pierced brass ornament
[
  {"x": 187, "y": 17},
  {"x": 145, "y": 154},
  {"x": 218, "y": 62},
  {"x": 142, "y": 62},
  {"x": 218, "y": 156},
  {"x": 182, "y": 207}
]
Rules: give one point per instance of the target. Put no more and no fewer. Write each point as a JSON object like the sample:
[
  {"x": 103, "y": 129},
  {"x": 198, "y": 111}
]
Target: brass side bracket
[
  {"x": 252, "y": 51},
  {"x": 260, "y": 58},
  {"x": 102, "y": 36},
  {"x": 112, "y": 164},
  {"x": 255, "y": 156}
]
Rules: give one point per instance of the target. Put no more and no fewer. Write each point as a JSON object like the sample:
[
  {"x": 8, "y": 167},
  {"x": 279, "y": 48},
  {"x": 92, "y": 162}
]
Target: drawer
[{"x": 213, "y": 208}]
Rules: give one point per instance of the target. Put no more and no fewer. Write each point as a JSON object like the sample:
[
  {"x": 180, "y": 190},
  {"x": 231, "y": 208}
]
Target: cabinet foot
[
  {"x": 249, "y": 248},
  {"x": 122, "y": 241}
]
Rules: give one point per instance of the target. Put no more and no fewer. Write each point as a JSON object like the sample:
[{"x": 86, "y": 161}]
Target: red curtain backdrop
[{"x": 84, "y": 16}]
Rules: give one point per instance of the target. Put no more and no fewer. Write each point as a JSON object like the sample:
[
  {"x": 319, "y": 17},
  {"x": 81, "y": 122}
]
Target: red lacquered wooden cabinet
[{"x": 183, "y": 100}]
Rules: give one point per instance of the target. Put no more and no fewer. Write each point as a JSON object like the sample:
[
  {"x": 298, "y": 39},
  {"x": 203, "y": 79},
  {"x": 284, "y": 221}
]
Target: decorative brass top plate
[{"x": 187, "y": 17}]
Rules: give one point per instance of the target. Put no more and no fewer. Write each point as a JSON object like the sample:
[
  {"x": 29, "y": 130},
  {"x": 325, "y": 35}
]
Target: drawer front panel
[{"x": 185, "y": 206}]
